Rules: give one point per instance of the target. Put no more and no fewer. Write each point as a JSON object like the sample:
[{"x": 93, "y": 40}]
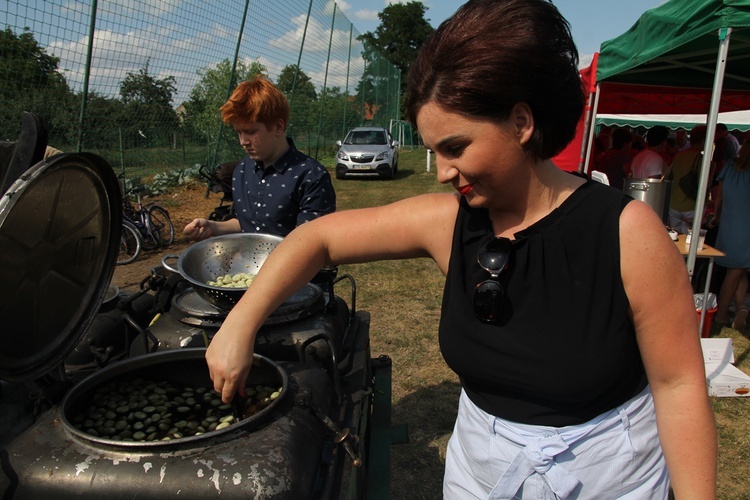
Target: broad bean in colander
[{"x": 239, "y": 280}]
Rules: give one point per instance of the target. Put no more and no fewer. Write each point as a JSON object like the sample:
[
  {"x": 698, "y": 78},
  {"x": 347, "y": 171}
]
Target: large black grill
[{"x": 68, "y": 340}]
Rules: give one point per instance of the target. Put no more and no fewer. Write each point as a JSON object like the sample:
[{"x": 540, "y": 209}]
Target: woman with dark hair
[
  {"x": 732, "y": 207},
  {"x": 567, "y": 310}
]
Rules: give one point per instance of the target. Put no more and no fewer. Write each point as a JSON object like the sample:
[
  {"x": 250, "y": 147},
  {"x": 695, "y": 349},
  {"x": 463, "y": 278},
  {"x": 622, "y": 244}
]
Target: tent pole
[
  {"x": 591, "y": 130},
  {"x": 721, "y": 63},
  {"x": 585, "y": 142}
]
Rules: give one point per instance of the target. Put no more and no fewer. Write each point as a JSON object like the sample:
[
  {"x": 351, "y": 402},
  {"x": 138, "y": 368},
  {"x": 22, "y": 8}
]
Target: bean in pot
[{"x": 144, "y": 410}]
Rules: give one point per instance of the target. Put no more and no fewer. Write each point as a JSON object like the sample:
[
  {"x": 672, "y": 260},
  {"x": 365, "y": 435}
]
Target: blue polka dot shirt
[{"x": 277, "y": 198}]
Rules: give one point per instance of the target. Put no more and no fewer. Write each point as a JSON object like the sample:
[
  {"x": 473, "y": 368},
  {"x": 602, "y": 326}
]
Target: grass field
[{"x": 403, "y": 298}]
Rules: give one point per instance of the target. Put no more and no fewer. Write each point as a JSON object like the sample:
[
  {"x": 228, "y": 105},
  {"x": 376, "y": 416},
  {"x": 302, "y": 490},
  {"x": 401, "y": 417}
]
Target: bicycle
[
  {"x": 130, "y": 243},
  {"x": 220, "y": 180},
  {"x": 144, "y": 226}
]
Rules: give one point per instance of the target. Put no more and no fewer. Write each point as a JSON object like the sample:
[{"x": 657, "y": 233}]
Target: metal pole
[
  {"x": 724, "y": 35},
  {"x": 398, "y": 95},
  {"x": 122, "y": 160},
  {"x": 325, "y": 81},
  {"x": 584, "y": 143},
  {"x": 230, "y": 86},
  {"x": 592, "y": 130},
  {"x": 364, "y": 91},
  {"x": 87, "y": 74},
  {"x": 346, "y": 91},
  {"x": 299, "y": 57},
  {"x": 388, "y": 90},
  {"x": 377, "y": 89}
]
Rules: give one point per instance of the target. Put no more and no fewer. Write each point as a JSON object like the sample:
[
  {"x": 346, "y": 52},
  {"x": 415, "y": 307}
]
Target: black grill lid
[{"x": 59, "y": 236}]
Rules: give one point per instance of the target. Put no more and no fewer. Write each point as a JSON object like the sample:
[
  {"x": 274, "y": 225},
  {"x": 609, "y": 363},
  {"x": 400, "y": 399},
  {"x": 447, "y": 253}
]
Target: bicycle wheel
[
  {"x": 149, "y": 238},
  {"x": 160, "y": 226},
  {"x": 130, "y": 244}
]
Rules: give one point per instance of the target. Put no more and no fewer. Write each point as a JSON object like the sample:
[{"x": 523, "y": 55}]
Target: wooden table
[{"x": 706, "y": 253}]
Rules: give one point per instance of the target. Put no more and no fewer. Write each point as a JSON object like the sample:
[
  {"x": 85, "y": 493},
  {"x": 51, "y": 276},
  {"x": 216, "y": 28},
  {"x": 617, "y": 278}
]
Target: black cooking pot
[{"x": 183, "y": 366}]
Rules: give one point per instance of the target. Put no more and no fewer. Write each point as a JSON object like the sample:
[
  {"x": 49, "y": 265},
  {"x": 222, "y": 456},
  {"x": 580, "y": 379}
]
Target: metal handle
[{"x": 167, "y": 266}]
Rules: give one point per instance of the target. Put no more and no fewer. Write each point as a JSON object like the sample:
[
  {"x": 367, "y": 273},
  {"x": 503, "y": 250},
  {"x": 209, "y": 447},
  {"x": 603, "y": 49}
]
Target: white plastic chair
[{"x": 600, "y": 177}]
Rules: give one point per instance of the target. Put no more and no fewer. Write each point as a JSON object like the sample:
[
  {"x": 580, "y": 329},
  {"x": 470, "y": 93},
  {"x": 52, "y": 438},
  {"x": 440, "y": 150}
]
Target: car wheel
[
  {"x": 386, "y": 175},
  {"x": 340, "y": 175}
]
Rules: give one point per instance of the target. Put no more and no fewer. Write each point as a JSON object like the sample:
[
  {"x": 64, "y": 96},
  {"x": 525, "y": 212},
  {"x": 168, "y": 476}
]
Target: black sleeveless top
[{"x": 564, "y": 349}]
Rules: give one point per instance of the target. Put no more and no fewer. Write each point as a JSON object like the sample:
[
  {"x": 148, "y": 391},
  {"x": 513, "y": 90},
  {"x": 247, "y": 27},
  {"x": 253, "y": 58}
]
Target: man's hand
[{"x": 199, "y": 229}]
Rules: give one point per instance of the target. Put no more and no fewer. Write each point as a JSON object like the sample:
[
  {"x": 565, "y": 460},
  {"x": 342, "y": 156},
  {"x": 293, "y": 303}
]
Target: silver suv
[{"x": 367, "y": 150}]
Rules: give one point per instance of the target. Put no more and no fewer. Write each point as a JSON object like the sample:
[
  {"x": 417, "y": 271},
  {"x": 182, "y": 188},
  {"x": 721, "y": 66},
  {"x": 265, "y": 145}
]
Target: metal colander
[{"x": 228, "y": 254}]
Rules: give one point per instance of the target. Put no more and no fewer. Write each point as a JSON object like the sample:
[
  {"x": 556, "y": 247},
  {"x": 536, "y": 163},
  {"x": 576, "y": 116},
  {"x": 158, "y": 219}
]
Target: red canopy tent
[
  {"x": 572, "y": 157},
  {"x": 685, "y": 56},
  {"x": 620, "y": 98}
]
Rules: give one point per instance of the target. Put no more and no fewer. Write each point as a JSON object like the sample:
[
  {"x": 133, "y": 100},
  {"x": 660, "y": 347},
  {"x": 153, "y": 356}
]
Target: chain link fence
[{"x": 139, "y": 82}]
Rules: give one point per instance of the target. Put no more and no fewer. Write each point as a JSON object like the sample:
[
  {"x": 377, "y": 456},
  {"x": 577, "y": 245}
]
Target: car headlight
[
  {"x": 383, "y": 155},
  {"x": 342, "y": 156}
]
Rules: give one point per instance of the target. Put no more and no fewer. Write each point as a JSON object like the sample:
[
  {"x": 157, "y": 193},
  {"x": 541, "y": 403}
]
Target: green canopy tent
[{"x": 685, "y": 56}]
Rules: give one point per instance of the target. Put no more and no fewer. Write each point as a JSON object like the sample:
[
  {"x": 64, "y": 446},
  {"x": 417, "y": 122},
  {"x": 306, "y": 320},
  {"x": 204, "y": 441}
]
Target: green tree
[
  {"x": 202, "y": 115},
  {"x": 303, "y": 86},
  {"x": 101, "y": 126},
  {"x": 336, "y": 115},
  {"x": 302, "y": 95},
  {"x": 30, "y": 81},
  {"x": 402, "y": 31},
  {"x": 148, "y": 111},
  {"x": 24, "y": 64}
]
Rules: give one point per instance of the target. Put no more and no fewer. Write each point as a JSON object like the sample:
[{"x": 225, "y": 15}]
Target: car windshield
[{"x": 366, "y": 137}]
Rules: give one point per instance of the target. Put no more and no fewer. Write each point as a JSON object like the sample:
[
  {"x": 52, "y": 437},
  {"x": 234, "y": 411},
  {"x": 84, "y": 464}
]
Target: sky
[
  {"x": 592, "y": 21},
  {"x": 180, "y": 39}
]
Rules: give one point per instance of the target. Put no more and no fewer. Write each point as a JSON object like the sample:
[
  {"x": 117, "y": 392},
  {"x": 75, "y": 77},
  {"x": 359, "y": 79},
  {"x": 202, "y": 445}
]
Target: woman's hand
[
  {"x": 230, "y": 357},
  {"x": 416, "y": 227}
]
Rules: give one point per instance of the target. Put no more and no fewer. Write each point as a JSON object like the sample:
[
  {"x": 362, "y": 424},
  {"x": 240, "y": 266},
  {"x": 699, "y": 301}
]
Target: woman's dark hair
[{"x": 493, "y": 54}]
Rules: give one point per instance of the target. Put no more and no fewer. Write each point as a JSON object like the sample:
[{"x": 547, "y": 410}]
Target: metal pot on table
[{"x": 654, "y": 192}]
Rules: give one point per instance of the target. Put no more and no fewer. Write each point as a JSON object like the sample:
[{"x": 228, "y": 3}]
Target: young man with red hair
[{"x": 276, "y": 187}]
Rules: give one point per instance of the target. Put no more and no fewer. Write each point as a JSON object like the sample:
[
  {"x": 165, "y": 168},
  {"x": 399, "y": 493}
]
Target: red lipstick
[{"x": 465, "y": 189}]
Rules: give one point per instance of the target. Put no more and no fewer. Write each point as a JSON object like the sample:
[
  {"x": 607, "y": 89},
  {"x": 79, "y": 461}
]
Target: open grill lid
[{"x": 59, "y": 235}]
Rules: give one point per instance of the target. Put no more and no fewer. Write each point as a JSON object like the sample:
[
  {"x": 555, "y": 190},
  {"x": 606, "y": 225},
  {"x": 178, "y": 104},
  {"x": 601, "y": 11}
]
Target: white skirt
[{"x": 615, "y": 455}]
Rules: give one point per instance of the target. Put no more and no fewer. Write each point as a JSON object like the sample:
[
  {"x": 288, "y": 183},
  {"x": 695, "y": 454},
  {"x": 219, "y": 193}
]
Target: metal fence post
[
  {"x": 87, "y": 74},
  {"x": 325, "y": 81},
  {"x": 364, "y": 91},
  {"x": 299, "y": 57},
  {"x": 346, "y": 91},
  {"x": 212, "y": 159}
]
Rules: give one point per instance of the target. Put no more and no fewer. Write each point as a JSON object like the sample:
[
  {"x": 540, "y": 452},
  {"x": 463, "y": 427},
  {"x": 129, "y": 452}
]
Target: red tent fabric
[
  {"x": 572, "y": 156},
  {"x": 621, "y": 98}
]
